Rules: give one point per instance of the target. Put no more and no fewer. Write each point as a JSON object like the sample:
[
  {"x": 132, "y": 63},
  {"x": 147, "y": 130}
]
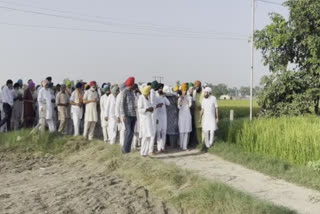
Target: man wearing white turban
[{"x": 209, "y": 116}]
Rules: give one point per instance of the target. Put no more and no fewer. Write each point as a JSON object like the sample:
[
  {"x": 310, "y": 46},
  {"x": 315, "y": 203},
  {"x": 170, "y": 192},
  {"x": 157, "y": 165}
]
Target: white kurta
[
  {"x": 146, "y": 120},
  {"x": 185, "y": 120},
  {"x": 161, "y": 113},
  {"x": 103, "y": 106},
  {"x": 76, "y": 111},
  {"x": 91, "y": 114},
  {"x": 209, "y": 106},
  {"x": 45, "y": 104}
]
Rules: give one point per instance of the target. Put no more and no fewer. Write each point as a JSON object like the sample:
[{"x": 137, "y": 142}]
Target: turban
[
  {"x": 79, "y": 85},
  {"x": 130, "y": 82},
  {"x": 184, "y": 87},
  {"x": 31, "y": 85},
  {"x": 155, "y": 85},
  {"x": 176, "y": 88},
  {"x": 190, "y": 85},
  {"x": 114, "y": 89},
  {"x": 122, "y": 86},
  {"x": 68, "y": 83},
  {"x": 105, "y": 89},
  {"x": 146, "y": 90},
  {"x": 92, "y": 83},
  {"x": 197, "y": 83},
  {"x": 135, "y": 87},
  {"x": 20, "y": 81},
  {"x": 208, "y": 90},
  {"x": 167, "y": 89}
]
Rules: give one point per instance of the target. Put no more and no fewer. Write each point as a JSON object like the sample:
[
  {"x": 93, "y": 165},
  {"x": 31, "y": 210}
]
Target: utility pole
[{"x": 252, "y": 56}]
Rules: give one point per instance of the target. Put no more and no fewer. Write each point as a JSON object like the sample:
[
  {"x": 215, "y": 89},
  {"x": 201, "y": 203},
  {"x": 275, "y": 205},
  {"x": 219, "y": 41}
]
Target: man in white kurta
[
  {"x": 110, "y": 112},
  {"x": 104, "y": 122},
  {"x": 90, "y": 99},
  {"x": 185, "y": 120},
  {"x": 76, "y": 107},
  {"x": 45, "y": 108},
  {"x": 161, "y": 119},
  {"x": 147, "y": 130},
  {"x": 209, "y": 115},
  {"x": 121, "y": 126}
]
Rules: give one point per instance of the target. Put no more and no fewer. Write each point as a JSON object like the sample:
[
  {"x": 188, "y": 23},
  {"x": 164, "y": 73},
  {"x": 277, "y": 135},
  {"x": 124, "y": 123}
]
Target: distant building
[{"x": 225, "y": 97}]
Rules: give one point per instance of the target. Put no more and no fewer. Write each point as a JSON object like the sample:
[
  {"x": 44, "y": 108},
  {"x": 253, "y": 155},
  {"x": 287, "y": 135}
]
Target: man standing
[
  {"x": 76, "y": 107},
  {"x": 121, "y": 126},
  {"x": 7, "y": 100},
  {"x": 45, "y": 107},
  {"x": 147, "y": 130},
  {"x": 110, "y": 112},
  {"x": 128, "y": 110},
  {"x": 161, "y": 119},
  {"x": 17, "y": 108},
  {"x": 90, "y": 99},
  {"x": 62, "y": 102},
  {"x": 197, "y": 98},
  {"x": 103, "y": 104},
  {"x": 210, "y": 117}
]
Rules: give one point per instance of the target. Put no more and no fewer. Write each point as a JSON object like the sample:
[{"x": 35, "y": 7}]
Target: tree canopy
[{"x": 291, "y": 50}]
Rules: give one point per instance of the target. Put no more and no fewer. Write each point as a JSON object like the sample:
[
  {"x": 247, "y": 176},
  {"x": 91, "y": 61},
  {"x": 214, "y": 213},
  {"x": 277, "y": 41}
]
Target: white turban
[
  {"x": 167, "y": 89},
  {"x": 208, "y": 90}
]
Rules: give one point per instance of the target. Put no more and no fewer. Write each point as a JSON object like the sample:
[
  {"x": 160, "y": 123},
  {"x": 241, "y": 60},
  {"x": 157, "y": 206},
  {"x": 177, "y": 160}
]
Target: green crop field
[
  {"x": 241, "y": 108},
  {"x": 291, "y": 139}
]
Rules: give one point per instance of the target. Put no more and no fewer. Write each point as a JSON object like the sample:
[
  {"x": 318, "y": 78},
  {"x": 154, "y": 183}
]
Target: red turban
[
  {"x": 130, "y": 82},
  {"x": 92, "y": 83}
]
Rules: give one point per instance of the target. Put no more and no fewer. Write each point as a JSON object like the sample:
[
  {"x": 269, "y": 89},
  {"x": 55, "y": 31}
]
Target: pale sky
[{"x": 149, "y": 38}]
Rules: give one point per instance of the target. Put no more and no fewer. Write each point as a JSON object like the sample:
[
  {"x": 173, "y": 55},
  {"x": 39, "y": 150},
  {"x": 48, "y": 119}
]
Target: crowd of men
[{"x": 135, "y": 115}]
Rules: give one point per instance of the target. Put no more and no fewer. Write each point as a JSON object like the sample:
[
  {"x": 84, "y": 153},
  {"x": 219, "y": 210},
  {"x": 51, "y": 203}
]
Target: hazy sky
[{"x": 141, "y": 38}]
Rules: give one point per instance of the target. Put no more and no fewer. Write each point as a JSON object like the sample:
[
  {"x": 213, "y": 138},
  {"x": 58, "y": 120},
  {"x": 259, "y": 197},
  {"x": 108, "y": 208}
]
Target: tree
[
  {"x": 295, "y": 44},
  {"x": 219, "y": 90},
  {"x": 244, "y": 91}
]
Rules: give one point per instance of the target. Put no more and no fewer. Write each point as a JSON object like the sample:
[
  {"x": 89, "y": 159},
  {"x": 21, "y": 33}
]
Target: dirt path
[
  {"x": 46, "y": 185},
  {"x": 264, "y": 187}
]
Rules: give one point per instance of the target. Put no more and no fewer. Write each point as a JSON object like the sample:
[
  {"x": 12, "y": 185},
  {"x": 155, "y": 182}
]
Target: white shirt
[
  {"x": 209, "y": 106},
  {"x": 7, "y": 95}
]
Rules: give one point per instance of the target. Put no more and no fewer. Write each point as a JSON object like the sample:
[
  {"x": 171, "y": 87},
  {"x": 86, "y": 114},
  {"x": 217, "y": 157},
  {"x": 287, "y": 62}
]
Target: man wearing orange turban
[{"x": 197, "y": 98}]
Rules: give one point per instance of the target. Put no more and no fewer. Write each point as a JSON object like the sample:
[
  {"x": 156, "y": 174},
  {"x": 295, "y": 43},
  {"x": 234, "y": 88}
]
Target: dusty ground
[
  {"x": 257, "y": 184},
  {"x": 48, "y": 185}
]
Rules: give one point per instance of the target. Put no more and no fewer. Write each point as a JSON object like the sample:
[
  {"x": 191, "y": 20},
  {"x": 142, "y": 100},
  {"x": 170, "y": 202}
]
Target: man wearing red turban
[
  {"x": 130, "y": 82},
  {"x": 128, "y": 110}
]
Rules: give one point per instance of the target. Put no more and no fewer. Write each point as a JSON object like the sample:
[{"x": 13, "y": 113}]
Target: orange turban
[
  {"x": 130, "y": 82},
  {"x": 184, "y": 87}
]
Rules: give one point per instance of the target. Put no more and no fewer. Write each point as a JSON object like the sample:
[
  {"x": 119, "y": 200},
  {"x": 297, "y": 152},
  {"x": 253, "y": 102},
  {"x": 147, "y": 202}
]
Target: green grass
[
  {"x": 183, "y": 189},
  {"x": 241, "y": 108},
  {"x": 291, "y": 139}
]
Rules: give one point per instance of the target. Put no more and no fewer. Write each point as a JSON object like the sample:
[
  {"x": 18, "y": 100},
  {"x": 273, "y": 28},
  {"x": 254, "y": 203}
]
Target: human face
[
  {"x": 206, "y": 95},
  {"x": 10, "y": 86},
  {"x": 184, "y": 93}
]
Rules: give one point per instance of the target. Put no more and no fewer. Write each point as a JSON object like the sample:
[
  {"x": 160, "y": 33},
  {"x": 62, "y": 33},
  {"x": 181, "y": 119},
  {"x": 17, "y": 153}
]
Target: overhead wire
[
  {"x": 120, "y": 32},
  {"x": 132, "y": 24}
]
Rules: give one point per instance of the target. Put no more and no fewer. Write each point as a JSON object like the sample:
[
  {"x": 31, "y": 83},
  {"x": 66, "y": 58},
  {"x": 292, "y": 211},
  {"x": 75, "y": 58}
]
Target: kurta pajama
[
  {"x": 91, "y": 114},
  {"x": 161, "y": 122},
  {"x": 209, "y": 125},
  {"x": 147, "y": 130},
  {"x": 76, "y": 111},
  {"x": 110, "y": 112},
  {"x": 185, "y": 120}
]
